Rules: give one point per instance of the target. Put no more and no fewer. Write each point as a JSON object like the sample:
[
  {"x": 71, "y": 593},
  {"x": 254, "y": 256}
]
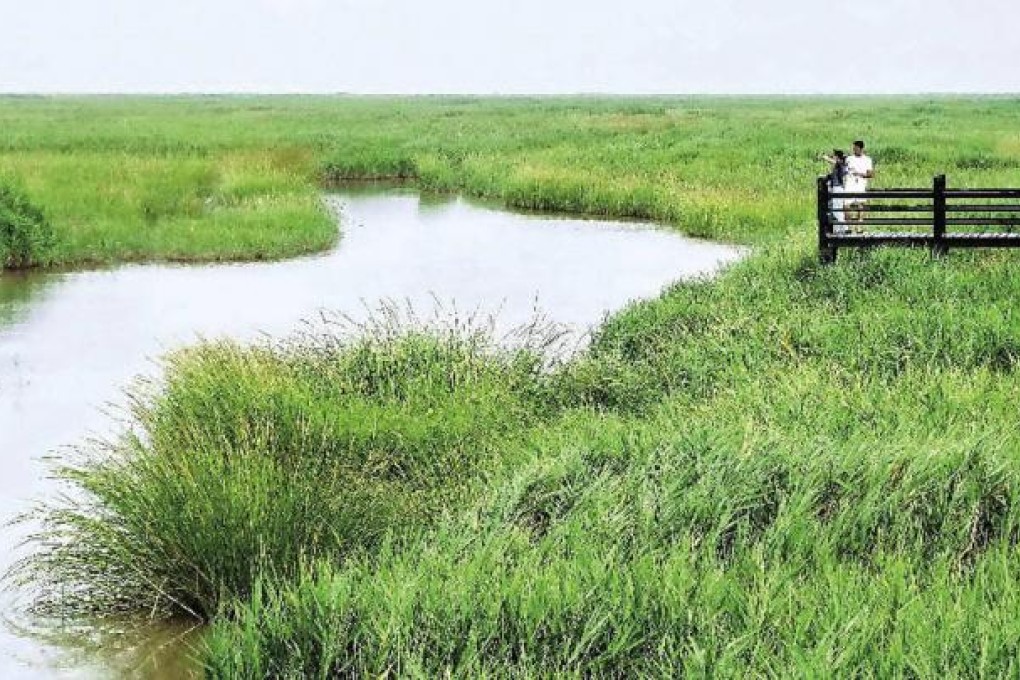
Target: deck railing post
[
  {"x": 939, "y": 246},
  {"x": 826, "y": 249}
]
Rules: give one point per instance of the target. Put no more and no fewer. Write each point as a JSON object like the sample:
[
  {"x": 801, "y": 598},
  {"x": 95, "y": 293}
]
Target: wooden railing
[{"x": 936, "y": 218}]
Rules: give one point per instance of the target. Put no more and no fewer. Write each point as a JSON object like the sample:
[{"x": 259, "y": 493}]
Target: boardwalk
[{"x": 938, "y": 218}]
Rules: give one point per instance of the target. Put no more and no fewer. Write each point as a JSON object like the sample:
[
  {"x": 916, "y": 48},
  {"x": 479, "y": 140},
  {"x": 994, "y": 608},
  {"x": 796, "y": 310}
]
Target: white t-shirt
[{"x": 857, "y": 164}]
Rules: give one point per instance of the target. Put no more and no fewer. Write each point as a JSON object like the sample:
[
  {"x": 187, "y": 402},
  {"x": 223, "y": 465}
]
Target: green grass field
[
  {"x": 787, "y": 471},
  {"x": 211, "y": 178}
]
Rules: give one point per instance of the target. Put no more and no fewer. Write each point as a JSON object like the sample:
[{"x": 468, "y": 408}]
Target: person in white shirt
[{"x": 859, "y": 169}]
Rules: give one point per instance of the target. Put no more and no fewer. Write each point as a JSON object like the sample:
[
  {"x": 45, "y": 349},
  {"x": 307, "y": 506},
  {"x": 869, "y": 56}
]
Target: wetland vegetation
[
  {"x": 787, "y": 470},
  {"x": 213, "y": 178}
]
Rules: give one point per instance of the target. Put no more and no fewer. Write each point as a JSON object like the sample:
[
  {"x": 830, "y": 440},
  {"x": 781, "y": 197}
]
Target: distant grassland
[
  {"x": 790, "y": 470},
  {"x": 209, "y": 178}
]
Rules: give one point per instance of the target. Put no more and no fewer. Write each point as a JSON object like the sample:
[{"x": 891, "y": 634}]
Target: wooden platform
[{"x": 951, "y": 225}]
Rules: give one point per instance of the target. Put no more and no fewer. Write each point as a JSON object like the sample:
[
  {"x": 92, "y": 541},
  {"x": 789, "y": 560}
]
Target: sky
[{"x": 510, "y": 47}]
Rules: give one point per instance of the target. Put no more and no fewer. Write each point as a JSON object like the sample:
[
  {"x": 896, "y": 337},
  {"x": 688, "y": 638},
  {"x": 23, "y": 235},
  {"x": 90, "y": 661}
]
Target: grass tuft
[
  {"x": 26, "y": 236},
  {"x": 252, "y": 461}
]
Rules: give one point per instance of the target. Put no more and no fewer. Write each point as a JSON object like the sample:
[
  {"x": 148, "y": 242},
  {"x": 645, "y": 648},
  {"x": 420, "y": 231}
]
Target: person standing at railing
[
  {"x": 836, "y": 180},
  {"x": 860, "y": 168}
]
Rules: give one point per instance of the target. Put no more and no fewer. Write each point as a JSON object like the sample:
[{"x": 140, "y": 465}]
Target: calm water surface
[{"x": 71, "y": 342}]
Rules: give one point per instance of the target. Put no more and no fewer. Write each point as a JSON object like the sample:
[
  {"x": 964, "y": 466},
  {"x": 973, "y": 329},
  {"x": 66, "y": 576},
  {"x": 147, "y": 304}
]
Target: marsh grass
[
  {"x": 26, "y": 236},
  {"x": 110, "y": 207},
  {"x": 221, "y": 178},
  {"x": 818, "y": 477},
  {"x": 788, "y": 470},
  {"x": 250, "y": 461},
  {"x": 810, "y": 476},
  {"x": 505, "y": 611}
]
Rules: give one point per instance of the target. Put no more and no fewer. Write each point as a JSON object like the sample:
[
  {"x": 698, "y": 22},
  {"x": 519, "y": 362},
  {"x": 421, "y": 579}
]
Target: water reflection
[
  {"x": 17, "y": 290},
  {"x": 435, "y": 204}
]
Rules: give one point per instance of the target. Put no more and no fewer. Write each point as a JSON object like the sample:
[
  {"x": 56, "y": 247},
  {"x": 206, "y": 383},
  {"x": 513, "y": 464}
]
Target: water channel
[{"x": 70, "y": 342}]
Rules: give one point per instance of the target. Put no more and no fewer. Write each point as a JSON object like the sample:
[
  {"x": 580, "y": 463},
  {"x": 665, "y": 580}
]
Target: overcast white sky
[{"x": 514, "y": 46}]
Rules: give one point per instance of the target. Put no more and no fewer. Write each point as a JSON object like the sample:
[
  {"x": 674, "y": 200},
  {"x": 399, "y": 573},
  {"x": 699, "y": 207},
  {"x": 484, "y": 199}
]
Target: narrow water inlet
[{"x": 71, "y": 342}]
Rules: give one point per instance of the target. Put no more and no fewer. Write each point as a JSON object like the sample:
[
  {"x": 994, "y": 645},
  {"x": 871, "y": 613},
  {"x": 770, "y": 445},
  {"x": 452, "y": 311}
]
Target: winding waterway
[{"x": 71, "y": 342}]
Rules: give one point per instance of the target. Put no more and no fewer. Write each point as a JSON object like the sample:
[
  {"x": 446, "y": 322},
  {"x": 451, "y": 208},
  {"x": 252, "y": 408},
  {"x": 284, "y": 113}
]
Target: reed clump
[
  {"x": 249, "y": 461},
  {"x": 26, "y": 235}
]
